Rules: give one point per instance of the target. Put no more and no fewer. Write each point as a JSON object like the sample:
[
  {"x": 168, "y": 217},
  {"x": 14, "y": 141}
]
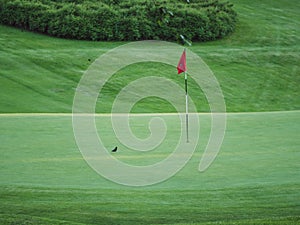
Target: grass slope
[
  {"x": 254, "y": 180},
  {"x": 257, "y": 66}
]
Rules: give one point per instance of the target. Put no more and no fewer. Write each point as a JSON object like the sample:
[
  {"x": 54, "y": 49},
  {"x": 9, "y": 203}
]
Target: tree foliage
[{"x": 118, "y": 20}]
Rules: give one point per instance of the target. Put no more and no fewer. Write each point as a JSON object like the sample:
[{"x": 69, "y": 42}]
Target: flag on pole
[{"x": 181, "y": 67}]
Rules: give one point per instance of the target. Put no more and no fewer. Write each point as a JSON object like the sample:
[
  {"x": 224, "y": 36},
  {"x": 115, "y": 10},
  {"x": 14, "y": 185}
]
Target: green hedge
[{"x": 199, "y": 20}]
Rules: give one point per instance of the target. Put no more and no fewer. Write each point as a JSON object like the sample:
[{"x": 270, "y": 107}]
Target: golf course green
[{"x": 255, "y": 178}]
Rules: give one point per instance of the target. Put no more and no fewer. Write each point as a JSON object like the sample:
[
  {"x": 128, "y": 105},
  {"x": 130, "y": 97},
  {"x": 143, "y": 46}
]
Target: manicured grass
[
  {"x": 39, "y": 73},
  {"x": 254, "y": 180},
  {"x": 257, "y": 66}
]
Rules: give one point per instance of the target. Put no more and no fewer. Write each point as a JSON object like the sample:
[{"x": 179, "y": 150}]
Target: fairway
[{"x": 255, "y": 177}]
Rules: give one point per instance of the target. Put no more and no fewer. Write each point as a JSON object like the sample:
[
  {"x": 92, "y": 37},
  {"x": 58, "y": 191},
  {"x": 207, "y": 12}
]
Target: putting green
[{"x": 254, "y": 177}]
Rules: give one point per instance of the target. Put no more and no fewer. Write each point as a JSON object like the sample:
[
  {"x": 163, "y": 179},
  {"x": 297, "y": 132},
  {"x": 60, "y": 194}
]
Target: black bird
[{"x": 115, "y": 149}]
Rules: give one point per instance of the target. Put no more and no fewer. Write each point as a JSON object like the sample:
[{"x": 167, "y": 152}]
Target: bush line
[{"x": 122, "y": 20}]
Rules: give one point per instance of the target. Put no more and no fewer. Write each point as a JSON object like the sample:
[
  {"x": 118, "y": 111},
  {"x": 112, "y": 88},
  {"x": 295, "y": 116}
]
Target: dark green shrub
[{"x": 200, "y": 20}]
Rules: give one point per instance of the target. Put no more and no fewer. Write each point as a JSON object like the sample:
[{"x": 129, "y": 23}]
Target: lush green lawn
[
  {"x": 257, "y": 66},
  {"x": 255, "y": 178}
]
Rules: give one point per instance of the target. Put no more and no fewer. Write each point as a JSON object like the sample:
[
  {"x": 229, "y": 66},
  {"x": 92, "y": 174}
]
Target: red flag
[{"x": 181, "y": 67}]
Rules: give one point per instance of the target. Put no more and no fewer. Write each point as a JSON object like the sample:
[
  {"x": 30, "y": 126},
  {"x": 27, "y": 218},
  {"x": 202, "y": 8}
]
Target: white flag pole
[
  {"x": 186, "y": 104},
  {"x": 186, "y": 92}
]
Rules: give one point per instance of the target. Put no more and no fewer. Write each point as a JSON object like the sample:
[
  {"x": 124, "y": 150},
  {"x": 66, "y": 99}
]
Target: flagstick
[
  {"x": 181, "y": 67},
  {"x": 186, "y": 106},
  {"x": 186, "y": 109}
]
